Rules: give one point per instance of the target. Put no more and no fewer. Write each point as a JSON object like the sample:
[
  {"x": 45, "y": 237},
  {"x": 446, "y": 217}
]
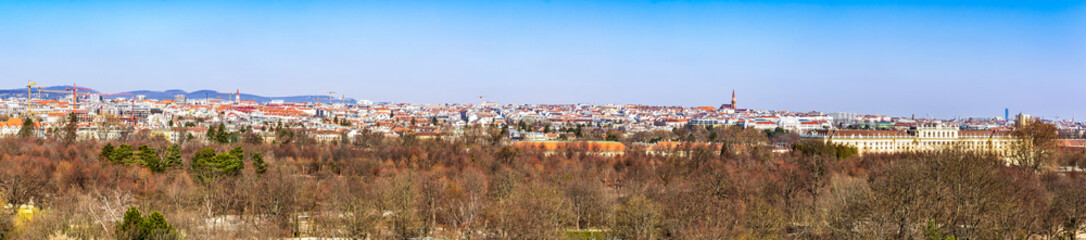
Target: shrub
[{"x": 137, "y": 227}]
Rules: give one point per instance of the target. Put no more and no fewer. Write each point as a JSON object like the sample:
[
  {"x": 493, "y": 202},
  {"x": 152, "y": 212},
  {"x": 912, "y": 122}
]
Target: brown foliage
[{"x": 463, "y": 188}]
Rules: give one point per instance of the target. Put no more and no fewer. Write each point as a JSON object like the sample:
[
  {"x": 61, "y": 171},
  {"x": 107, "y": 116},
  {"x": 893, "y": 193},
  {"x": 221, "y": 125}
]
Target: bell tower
[{"x": 733, "y": 98}]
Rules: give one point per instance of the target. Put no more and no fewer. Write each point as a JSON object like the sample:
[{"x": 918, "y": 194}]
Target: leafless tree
[
  {"x": 636, "y": 218},
  {"x": 1035, "y": 144}
]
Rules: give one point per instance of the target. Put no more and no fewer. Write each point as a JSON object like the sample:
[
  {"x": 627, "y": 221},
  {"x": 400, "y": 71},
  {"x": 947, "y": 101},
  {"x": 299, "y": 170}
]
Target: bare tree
[
  {"x": 24, "y": 181},
  {"x": 106, "y": 207},
  {"x": 1035, "y": 144},
  {"x": 636, "y": 218}
]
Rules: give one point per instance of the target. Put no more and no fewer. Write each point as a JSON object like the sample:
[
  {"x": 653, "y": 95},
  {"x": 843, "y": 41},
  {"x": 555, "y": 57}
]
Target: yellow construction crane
[
  {"x": 74, "y": 93},
  {"x": 29, "y": 85}
]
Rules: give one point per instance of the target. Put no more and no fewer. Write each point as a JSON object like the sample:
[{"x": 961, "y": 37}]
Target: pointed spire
[{"x": 733, "y": 99}]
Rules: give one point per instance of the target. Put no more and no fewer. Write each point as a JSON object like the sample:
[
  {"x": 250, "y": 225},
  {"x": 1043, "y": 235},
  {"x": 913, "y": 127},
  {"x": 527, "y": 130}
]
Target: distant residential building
[
  {"x": 760, "y": 123},
  {"x": 13, "y": 125},
  {"x": 1023, "y": 119},
  {"x": 841, "y": 118},
  {"x": 707, "y": 122}
]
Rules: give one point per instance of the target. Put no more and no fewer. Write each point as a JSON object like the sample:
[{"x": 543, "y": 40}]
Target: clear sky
[{"x": 945, "y": 58}]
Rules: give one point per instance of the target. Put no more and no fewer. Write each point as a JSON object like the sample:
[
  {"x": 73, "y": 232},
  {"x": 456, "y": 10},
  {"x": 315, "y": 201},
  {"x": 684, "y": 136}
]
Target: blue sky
[{"x": 944, "y": 58}]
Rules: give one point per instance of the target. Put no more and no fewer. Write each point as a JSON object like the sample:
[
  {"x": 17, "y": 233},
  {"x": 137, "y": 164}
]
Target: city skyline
[
  {"x": 342, "y": 98},
  {"x": 552, "y": 119},
  {"x": 895, "y": 58}
]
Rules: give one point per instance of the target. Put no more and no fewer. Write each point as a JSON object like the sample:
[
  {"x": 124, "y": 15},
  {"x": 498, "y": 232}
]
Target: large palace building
[{"x": 925, "y": 138}]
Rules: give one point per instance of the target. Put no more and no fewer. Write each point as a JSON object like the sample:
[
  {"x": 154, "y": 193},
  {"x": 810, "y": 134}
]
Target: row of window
[{"x": 906, "y": 146}]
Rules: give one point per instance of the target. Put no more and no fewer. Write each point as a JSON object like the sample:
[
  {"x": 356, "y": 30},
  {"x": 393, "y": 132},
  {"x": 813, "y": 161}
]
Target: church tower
[
  {"x": 733, "y": 98},
  {"x": 729, "y": 106}
]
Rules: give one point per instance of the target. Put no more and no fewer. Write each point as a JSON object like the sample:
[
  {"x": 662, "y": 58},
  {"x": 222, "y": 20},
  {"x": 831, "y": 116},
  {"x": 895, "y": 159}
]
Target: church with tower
[{"x": 729, "y": 107}]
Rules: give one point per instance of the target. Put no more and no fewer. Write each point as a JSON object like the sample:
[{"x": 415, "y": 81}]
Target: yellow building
[
  {"x": 603, "y": 148},
  {"x": 925, "y": 138}
]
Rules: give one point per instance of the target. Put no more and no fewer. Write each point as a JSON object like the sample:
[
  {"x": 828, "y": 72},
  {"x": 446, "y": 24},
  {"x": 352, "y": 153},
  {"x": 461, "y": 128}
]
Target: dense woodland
[{"x": 478, "y": 187}]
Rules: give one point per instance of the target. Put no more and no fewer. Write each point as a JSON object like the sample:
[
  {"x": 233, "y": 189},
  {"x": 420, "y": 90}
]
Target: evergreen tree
[
  {"x": 228, "y": 164},
  {"x": 121, "y": 154},
  {"x": 173, "y": 156},
  {"x": 201, "y": 156},
  {"x": 71, "y": 128},
  {"x": 132, "y": 226},
  {"x": 202, "y": 164},
  {"x": 149, "y": 159},
  {"x": 107, "y": 152},
  {"x": 258, "y": 163},
  {"x": 222, "y": 135},
  {"x": 27, "y": 129},
  {"x": 136, "y": 227},
  {"x": 211, "y": 133},
  {"x": 238, "y": 153},
  {"x": 207, "y": 165},
  {"x": 159, "y": 228}
]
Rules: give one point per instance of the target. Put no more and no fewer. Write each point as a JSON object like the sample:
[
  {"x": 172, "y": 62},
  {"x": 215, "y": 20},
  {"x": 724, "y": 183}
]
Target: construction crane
[
  {"x": 331, "y": 95},
  {"x": 56, "y": 91},
  {"x": 29, "y": 84},
  {"x": 236, "y": 93},
  {"x": 73, "y": 90}
]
